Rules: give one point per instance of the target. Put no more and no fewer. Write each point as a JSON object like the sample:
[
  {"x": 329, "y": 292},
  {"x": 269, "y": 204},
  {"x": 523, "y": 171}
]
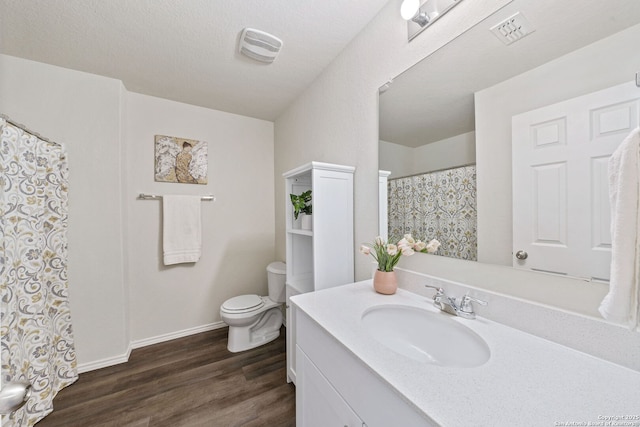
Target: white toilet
[{"x": 254, "y": 320}]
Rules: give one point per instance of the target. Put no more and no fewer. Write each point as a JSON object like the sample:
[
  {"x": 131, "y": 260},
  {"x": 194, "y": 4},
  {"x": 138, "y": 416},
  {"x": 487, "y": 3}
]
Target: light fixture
[
  {"x": 410, "y": 10},
  {"x": 419, "y": 17}
]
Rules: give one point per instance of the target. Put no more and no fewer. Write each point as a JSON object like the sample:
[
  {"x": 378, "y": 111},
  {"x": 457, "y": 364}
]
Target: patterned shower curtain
[
  {"x": 437, "y": 205},
  {"x": 35, "y": 321}
]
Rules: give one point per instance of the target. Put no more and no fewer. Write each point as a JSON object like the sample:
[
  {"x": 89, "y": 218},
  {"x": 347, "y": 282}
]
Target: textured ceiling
[{"x": 187, "y": 50}]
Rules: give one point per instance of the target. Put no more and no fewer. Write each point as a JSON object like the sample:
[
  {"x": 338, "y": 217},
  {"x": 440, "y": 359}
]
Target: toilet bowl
[{"x": 256, "y": 320}]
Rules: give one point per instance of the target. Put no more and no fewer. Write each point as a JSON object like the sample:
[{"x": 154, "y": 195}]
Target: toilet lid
[
  {"x": 243, "y": 303},
  {"x": 277, "y": 267}
]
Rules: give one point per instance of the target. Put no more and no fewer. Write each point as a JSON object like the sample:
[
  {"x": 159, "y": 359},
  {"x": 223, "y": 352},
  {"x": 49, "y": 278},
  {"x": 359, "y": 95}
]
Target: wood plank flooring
[{"x": 192, "y": 381}]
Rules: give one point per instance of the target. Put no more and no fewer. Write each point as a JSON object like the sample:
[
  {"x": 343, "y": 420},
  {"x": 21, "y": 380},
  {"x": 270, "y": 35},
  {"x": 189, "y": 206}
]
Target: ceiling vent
[
  {"x": 512, "y": 29},
  {"x": 259, "y": 45}
]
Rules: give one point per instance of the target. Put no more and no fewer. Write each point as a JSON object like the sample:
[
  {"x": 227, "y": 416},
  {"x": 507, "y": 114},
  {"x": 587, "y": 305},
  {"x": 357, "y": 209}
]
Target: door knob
[
  {"x": 521, "y": 255},
  {"x": 13, "y": 396}
]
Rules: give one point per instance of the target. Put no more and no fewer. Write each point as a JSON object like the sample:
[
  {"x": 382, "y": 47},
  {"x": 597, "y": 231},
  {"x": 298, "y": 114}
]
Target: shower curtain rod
[
  {"x": 143, "y": 196},
  {"x": 26, "y": 129},
  {"x": 434, "y": 171}
]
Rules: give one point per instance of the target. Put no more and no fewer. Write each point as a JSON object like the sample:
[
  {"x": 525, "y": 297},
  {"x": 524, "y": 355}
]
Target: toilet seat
[{"x": 243, "y": 304}]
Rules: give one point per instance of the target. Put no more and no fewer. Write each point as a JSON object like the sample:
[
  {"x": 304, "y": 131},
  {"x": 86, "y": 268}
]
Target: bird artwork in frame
[{"x": 180, "y": 160}]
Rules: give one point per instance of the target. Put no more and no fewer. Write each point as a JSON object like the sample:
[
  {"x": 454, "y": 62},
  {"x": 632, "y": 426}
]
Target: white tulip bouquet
[{"x": 387, "y": 254}]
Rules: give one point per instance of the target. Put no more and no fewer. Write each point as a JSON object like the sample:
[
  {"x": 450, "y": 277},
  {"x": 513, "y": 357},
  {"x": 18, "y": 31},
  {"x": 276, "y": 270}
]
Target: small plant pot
[{"x": 306, "y": 221}]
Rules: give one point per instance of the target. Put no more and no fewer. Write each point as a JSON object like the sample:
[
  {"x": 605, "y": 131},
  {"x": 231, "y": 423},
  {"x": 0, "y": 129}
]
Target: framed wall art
[{"x": 180, "y": 160}]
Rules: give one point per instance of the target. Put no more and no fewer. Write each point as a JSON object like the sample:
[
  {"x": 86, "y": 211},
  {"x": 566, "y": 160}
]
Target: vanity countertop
[{"x": 527, "y": 380}]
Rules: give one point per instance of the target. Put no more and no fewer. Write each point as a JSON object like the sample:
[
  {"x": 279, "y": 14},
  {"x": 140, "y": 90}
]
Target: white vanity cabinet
[
  {"x": 385, "y": 387},
  {"x": 335, "y": 388},
  {"x": 323, "y": 256}
]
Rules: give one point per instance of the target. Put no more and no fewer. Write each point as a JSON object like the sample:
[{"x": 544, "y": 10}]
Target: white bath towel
[
  {"x": 181, "y": 230},
  {"x": 623, "y": 300}
]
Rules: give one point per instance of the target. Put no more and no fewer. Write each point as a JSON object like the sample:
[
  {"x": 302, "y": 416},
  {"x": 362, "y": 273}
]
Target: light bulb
[
  {"x": 431, "y": 9},
  {"x": 409, "y": 9}
]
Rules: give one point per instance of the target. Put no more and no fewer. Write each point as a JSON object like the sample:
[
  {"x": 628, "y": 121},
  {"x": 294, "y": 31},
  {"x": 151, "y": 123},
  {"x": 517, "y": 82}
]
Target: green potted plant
[{"x": 302, "y": 207}]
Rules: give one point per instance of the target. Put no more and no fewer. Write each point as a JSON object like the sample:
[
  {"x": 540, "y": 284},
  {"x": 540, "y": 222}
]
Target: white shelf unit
[{"x": 322, "y": 257}]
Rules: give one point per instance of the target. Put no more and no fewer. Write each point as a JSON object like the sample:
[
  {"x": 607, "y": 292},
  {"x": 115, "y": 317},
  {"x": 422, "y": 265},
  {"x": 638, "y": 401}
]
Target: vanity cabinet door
[
  {"x": 291, "y": 336},
  {"x": 318, "y": 404}
]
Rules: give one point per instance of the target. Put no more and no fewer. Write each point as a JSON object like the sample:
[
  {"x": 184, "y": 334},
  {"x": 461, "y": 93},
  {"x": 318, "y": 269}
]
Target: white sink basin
[{"x": 426, "y": 336}]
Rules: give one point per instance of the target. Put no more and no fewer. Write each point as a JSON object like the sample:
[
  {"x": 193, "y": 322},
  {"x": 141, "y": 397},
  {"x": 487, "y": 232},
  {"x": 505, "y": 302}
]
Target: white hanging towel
[
  {"x": 623, "y": 300},
  {"x": 181, "y": 231}
]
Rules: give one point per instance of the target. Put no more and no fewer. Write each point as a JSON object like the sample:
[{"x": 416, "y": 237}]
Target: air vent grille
[
  {"x": 259, "y": 45},
  {"x": 512, "y": 29}
]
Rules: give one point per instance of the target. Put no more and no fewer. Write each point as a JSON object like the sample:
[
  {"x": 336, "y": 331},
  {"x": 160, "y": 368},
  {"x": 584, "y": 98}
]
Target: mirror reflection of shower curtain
[
  {"x": 35, "y": 321},
  {"x": 437, "y": 205}
]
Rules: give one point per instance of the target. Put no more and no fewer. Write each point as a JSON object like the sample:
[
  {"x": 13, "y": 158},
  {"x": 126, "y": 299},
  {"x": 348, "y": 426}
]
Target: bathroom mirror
[{"x": 455, "y": 107}]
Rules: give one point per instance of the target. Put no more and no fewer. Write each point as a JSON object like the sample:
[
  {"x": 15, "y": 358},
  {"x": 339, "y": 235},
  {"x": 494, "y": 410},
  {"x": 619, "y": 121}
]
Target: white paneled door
[{"x": 561, "y": 211}]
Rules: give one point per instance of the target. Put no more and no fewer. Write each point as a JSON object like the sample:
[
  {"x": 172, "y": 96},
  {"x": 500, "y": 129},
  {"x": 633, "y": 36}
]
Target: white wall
[
  {"x": 336, "y": 119},
  {"x": 458, "y": 150},
  {"x": 603, "y": 64},
  {"x": 82, "y": 111},
  {"x": 237, "y": 234},
  {"x": 396, "y": 159},
  {"x": 119, "y": 290}
]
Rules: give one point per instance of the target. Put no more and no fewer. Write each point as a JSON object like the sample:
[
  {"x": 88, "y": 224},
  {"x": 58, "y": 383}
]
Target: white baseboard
[
  {"x": 178, "y": 334},
  {"x": 104, "y": 363},
  {"x": 116, "y": 360}
]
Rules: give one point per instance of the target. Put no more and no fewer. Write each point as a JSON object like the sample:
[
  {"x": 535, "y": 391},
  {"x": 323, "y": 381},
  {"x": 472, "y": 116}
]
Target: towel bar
[{"x": 143, "y": 196}]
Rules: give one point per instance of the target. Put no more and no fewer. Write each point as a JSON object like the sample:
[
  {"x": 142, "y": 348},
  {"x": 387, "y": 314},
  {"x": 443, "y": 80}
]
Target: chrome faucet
[
  {"x": 466, "y": 308},
  {"x": 448, "y": 304}
]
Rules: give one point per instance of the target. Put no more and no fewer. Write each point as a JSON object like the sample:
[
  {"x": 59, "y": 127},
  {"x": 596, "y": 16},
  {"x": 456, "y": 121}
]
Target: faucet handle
[
  {"x": 467, "y": 298},
  {"x": 466, "y": 308},
  {"x": 438, "y": 298},
  {"x": 439, "y": 291}
]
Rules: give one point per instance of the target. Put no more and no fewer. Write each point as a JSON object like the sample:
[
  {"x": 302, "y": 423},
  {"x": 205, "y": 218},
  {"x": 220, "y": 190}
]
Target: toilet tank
[{"x": 276, "y": 275}]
